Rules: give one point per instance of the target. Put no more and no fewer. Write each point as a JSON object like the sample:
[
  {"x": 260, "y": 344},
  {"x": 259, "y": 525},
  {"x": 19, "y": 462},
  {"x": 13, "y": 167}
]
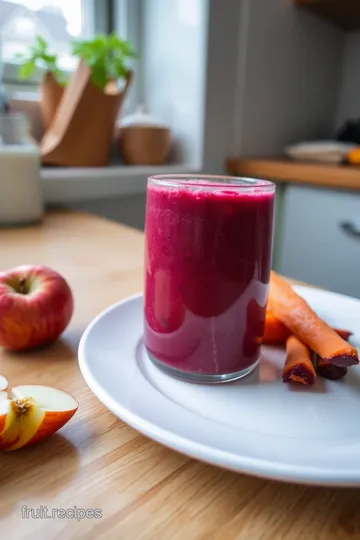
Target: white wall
[
  {"x": 272, "y": 78},
  {"x": 291, "y": 70},
  {"x": 128, "y": 210},
  {"x": 223, "y": 35},
  {"x": 174, "y": 61},
  {"x": 349, "y": 98}
]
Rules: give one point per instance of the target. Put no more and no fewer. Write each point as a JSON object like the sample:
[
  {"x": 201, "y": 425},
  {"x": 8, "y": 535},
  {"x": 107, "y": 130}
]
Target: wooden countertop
[
  {"x": 144, "y": 490},
  {"x": 322, "y": 175}
]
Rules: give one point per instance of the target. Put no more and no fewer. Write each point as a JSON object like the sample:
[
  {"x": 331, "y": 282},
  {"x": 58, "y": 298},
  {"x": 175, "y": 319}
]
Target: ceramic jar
[
  {"x": 142, "y": 139},
  {"x": 21, "y": 197}
]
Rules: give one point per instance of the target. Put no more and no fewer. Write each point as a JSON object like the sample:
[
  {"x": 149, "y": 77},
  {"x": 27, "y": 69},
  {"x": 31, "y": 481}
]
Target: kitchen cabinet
[{"x": 320, "y": 237}]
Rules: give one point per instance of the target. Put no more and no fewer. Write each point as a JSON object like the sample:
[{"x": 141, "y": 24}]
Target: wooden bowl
[{"x": 144, "y": 145}]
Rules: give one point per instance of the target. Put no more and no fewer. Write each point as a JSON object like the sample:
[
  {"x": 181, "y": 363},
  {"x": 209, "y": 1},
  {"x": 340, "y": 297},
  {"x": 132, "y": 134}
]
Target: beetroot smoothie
[{"x": 207, "y": 267}]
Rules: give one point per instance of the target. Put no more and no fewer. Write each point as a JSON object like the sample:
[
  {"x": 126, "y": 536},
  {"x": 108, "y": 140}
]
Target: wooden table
[{"x": 144, "y": 490}]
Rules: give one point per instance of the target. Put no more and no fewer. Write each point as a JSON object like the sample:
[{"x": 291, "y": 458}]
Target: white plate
[
  {"x": 257, "y": 425},
  {"x": 325, "y": 151}
]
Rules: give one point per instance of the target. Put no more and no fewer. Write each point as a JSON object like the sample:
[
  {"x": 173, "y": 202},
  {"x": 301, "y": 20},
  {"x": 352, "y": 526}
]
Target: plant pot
[
  {"x": 50, "y": 96},
  {"x": 81, "y": 132},
  {"x": 143, "y": 145}
]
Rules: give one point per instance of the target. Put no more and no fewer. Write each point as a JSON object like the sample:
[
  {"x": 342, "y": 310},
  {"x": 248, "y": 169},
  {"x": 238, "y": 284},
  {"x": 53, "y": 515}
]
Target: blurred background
[{"x": 264, "y": 88}]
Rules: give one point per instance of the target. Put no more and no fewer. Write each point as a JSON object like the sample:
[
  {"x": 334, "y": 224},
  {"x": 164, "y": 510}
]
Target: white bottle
[{"x": 21, "y": 197}]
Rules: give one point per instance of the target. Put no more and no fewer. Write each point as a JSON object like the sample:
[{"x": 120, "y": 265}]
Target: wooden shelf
[
  {"x": 344, "y": 13},
  {"x": 332, "y": 176}
]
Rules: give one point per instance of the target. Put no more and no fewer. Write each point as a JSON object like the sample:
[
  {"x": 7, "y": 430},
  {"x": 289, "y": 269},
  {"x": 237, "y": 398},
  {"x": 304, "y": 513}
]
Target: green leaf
[
  {"x": 106, "y": 56},
  {"x": 26, "y": 70},
  {"x": 99, "y": 77},
  {"x": 49, "y": 58},
  {"x": 40, "y": 41},
  {"x": 38, "y": 55}
]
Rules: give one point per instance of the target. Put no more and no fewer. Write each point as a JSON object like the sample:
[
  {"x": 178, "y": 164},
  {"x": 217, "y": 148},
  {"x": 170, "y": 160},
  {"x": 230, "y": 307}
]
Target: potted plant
[
  {"x": 82, "y": 131},
  {"x": 52, "y": 84}
]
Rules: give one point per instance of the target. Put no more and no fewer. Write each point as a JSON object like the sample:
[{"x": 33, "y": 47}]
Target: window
[
  {"x": 25, "y": 27},
  {"x": 58, "y": 21}
]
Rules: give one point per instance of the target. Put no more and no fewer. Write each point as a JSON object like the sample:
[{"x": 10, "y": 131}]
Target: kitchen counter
[
  {"x": 145, "y": 491},
  {"x": 316, "y": 174}
]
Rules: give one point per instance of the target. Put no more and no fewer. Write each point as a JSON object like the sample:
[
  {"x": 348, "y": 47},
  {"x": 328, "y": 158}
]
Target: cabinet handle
[{"x": 351, "y": 227}]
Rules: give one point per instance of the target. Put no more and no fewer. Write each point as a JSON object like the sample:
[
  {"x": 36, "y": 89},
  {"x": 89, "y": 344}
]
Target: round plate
[{"x": 257, "y": 425}]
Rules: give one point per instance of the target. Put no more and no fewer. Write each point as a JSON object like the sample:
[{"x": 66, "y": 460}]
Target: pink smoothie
[{"x": 207, "y": 267}]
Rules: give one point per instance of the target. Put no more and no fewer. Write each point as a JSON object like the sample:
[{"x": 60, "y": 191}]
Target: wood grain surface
[
  {"x": 316, "y": 174},
  {"x": 144, "y": 490}
]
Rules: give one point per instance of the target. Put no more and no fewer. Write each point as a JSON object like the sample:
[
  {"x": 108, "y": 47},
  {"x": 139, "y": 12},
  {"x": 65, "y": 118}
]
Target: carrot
[
  {"x": 276, "y": 333},
  {"x": 345, "y": 334},
  {"x": 330, "y": 371},
  {"x": 298, "y": 366},
  {"x": 302, "y": 321}
]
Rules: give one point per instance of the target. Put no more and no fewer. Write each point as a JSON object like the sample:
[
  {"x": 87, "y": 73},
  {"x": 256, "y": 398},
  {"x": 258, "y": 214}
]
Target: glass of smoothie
[{"x": 208, "y": 243}]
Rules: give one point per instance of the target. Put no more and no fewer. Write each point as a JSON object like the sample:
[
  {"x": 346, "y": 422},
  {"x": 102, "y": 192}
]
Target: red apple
[{"x": 36, "y": 305}]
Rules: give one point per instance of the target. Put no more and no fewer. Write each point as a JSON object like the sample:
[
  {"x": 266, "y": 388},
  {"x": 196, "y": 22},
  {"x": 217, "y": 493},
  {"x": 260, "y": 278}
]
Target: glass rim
[{"x": 211, "y": 181}]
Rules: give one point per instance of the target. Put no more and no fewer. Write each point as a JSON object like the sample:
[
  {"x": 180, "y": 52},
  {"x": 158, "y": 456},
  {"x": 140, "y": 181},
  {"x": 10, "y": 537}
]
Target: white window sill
[{"x": 66, "y": 184}]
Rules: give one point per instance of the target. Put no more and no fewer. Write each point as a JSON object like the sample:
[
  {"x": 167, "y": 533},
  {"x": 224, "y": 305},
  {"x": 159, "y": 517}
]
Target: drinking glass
[{"x": 207, "y": 268}]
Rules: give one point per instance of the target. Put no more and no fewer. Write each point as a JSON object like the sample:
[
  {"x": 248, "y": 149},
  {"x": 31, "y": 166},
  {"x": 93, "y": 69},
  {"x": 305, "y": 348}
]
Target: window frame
[{"x": 126, "y": 20}]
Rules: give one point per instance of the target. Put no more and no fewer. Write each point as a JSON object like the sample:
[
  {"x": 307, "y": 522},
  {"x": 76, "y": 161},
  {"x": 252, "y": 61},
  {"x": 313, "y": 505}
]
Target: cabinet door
[{"x": 321, "y": 238}]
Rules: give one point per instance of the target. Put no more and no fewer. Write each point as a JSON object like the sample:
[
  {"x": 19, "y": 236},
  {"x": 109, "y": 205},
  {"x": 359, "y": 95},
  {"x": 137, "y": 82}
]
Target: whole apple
[{"x": 36, "y": 305}]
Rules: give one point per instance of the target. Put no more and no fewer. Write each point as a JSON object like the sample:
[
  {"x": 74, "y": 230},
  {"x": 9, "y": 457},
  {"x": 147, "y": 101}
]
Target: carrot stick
[
  {"x": 330, "y": 371},
  {"x": 298, "y": 366},
  {"x": 345, "y": 334},
  {"x": 275, "y": 332},
  {"x": 302, "y": 321}
]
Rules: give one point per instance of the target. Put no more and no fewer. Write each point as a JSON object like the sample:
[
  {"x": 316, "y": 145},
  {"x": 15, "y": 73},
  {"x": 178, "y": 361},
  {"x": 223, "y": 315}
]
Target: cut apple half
[
  {"x": 33, "y": 413},
  {"x": 3, "y": 388}
]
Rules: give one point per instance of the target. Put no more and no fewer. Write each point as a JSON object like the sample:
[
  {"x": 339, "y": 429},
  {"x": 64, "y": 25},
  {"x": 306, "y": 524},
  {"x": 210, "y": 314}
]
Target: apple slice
[
  {"x": 6, "y": 416},
  {"x": 33, "y": 413},
  {"x": 3, "y": 389}
]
